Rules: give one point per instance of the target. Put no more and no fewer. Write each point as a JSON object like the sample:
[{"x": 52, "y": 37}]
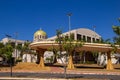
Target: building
[
  {"x": 14, "y": 42},
  {"x": 39, "y": 35},
  {"x": 84, "y": 34},
  {"x": 81, "y": 34},
  {"x": 16, "y": 53}
]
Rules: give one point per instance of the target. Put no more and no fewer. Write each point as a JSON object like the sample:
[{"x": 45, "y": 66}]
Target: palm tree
[
  {"x": 116, "y": 30},
  {"x": 19, "y": 48},
  {"x": 106, "y": 41},
  {"x": 23, "y": 50}
]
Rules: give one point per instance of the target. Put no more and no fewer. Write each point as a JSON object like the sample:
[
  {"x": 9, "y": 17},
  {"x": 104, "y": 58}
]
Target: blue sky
[{"x": 27, "y": 16}]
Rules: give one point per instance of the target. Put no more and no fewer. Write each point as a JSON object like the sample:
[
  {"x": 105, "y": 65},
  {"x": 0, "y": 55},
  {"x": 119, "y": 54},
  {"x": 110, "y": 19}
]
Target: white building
[
  {"x": 16, "y": 53},
  {"x": 14, "y": 43},
  {"x": 84, "y": 34},
  {"x": 81, "y": 34}
]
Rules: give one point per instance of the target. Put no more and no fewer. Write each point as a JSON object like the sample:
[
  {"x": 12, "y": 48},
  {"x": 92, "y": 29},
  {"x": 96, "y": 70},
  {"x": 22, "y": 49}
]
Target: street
[{"x": 60, "y": 75}]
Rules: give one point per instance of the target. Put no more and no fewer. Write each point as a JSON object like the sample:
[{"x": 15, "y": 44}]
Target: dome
[
  {"x": 40, "y": 32},
  {"x": 40, "y": 35}
]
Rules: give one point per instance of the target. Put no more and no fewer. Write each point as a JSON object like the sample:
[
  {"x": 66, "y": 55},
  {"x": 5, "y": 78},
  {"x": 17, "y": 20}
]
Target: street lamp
[{"x": 69, "y": 21}]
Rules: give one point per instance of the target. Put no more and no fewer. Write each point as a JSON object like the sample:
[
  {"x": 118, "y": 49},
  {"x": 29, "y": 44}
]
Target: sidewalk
[
  {"x": 15, "y": 78},
  {"x": 86, "y": 71},
  {"x": 90, "y": 69},
  {"x": 74, "y": 71},
  {"x": 60, "y": 70}
]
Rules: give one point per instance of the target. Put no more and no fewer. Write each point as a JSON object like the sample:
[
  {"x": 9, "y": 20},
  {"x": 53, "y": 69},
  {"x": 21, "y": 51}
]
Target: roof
[
  {"x": 86, "y": 47},
  {"x": 82, "y": 31},
  {"x": 40, "y": 32},
  {"x": 87, "y": 32}
]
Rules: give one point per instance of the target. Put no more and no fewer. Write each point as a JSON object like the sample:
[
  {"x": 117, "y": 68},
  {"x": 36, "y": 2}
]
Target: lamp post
[
  {"x": 69, "y": 27},
  {"x": 69, "y": 22}
]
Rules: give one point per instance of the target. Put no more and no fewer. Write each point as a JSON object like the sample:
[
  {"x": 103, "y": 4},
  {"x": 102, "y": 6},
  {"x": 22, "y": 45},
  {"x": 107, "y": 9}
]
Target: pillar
[
  {"x": 86, "y": 39},
  {"x": 91, "y": 40},
  {"x": 109, "y": 63},
  {"x": 70, "y": 62},
  {"x": 41, "y": 64},
  {"x": 75, "y": 35}
]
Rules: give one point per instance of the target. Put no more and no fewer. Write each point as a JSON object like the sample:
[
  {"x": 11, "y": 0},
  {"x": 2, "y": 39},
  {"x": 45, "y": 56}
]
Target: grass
[
  {"x": 25, "y": 67},
  {"x": 78, "y": 67}
]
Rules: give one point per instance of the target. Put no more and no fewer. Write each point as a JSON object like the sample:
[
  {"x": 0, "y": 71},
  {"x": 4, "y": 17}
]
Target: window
[
  {"x": 79, "y": 37},
  {"x": 88, "y": 39}
]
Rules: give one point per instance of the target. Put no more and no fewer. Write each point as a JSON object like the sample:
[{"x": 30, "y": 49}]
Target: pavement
[
  {"x": 73, "y": 71},
  {"x": 60, "y": 70}
]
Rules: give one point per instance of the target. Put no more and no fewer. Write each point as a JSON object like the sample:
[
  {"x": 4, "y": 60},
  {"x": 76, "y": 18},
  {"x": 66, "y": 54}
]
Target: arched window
[{"x": 40, "y": 37}]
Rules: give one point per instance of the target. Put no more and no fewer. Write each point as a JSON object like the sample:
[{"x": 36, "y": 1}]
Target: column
[
  {"x": 70, "y": 62},
  {"x": 75, "y": 36},
  {"x": 91, "y": 40},
  {"x": 82, "y": 37},
  {"x": 109, "y": 63},
  {"x": 86, "y": 38},
  {"x": 41, "y": 64}
]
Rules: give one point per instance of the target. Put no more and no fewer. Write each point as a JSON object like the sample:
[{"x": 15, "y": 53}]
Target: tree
[
  {"x": 1, "y": 49},
  {"x": 107, "y": 41},
  {"x": 19, "y": 48},
  {"x": 69, "y": 45},
  {"x": 8, "y": 49},
  {"x": 23, "y": 50},
  {"x": 54, "y": 50},
  {"x": 116, "y": 30}
]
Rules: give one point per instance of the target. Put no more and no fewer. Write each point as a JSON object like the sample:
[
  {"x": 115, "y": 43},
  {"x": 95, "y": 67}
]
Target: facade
[
  {"x": 16, "y": 53},
  {"x": 82, "y": 34},
  {"x": 14, "y": 43}
]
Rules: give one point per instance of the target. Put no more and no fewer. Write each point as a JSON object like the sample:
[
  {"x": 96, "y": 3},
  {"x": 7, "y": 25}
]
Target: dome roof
[{"x": 40, "y": 32}]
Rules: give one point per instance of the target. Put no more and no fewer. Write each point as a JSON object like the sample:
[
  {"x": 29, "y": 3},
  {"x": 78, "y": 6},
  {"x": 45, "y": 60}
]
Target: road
[{"x": 60, "y": 75}]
